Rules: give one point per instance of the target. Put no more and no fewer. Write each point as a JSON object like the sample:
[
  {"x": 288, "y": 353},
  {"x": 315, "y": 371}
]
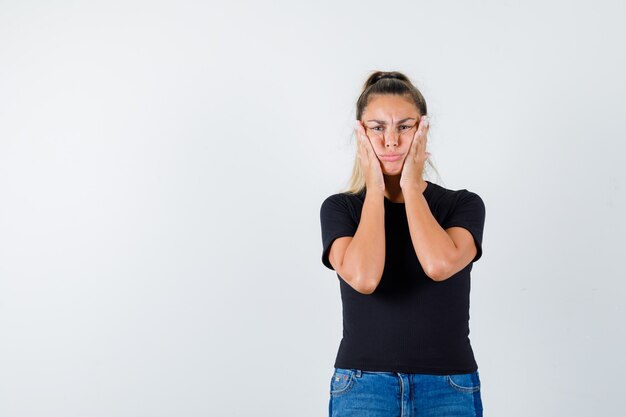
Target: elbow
[
  {"x": 366, "y": 289},
  {"x": 359, "y": 283},
  {"x": 365, "y": 285},
  {"x": 437, "y": 272},
  {"x": 363, "y": 278},
  {"x": 436, "y": 275}
]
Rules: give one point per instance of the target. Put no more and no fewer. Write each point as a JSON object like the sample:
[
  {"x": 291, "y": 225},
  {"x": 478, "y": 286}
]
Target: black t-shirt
[{"x": 410, "y": 323}]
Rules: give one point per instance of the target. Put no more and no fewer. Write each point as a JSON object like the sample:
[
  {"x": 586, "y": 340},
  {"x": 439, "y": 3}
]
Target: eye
[
  {"x": 407, "y": 127},
  {"x": 376, "y": 127}
]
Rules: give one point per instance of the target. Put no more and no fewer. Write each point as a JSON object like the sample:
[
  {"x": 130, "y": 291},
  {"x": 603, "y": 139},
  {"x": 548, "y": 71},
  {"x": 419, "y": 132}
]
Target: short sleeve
[
  {"x": 337, "y": 220},
  {"x": 469, "y": 213}
]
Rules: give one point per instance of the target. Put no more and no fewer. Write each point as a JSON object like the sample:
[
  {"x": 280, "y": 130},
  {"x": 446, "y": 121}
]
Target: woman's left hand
[{"x": 413, "y": 164}]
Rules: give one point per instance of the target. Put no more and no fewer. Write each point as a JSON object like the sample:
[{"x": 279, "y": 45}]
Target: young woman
[{"x": 403, "y": 249}]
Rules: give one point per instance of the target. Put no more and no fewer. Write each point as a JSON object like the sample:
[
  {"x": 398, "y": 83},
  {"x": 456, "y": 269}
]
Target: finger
[
  {"x": 418, "y": 133},
  {"x": 415, "y": 142},
  {"x": 361, "y": 129},
  {"x": 414, "y": 149},
  {"x": 423, "y": 140},
  {"x": 423, "y": 127},
  {"x": 410, "y": 153},
  {"x": 367, "y": 143},
  {"x": 360, "y": 138},
  {"x": 362, "y": 149},
  {"x": 362, "y": 152},
  {"x": 365, "y": 147},
  {"x": 422, "y": 132},
  {"x": 425, "y": 124},
  {"x": 358, "y": 129},
  {"x": 360, "y": 132},
  {"x": 357, "y": 132}
]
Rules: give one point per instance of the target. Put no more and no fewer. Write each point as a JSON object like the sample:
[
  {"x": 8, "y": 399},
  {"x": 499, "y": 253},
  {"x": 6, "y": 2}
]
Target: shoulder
[
  {"x": 456, "y": 207},
  {"x": 342, "y": 199},
  {"x": 344, "y": 208},
  {"x": 334, "y": 198},
  {"x": 333, "y": 201},
  {"x": 465, "y": 197},
  {"x": 451, "y": 197}
]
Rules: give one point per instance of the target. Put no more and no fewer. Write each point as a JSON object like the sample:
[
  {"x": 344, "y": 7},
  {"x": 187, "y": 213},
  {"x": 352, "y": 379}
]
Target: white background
[{"x": 162, "y": 166}]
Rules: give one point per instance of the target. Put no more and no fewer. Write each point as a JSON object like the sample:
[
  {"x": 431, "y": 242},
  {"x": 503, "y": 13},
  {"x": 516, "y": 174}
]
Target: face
[{"x": 390, "y": 123}]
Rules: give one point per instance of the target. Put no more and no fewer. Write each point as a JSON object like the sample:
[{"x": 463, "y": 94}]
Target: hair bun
[{"x": 386, "y": 76}]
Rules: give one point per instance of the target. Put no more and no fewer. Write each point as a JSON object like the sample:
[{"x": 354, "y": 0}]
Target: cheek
[
  {"x": 405, "y": 147},
  {"x": 378, "y": 147}
]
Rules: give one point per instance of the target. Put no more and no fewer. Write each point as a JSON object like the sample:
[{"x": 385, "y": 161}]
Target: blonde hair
[{"x": 378, "y": 83}]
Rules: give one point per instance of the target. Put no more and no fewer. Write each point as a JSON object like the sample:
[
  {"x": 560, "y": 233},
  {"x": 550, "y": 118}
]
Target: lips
[{"x": 390, "y": 157}]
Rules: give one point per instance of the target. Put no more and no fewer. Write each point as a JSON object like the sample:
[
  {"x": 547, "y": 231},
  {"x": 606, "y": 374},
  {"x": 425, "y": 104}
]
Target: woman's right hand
[{"x": 370, "y": 164}]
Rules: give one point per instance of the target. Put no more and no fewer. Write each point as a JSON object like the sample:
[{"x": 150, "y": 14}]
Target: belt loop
[{"x": 357, "y": 373}]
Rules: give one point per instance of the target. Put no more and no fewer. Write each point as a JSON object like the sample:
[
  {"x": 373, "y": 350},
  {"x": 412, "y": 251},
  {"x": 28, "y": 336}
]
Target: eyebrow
[{"x": 382, "y": 122}]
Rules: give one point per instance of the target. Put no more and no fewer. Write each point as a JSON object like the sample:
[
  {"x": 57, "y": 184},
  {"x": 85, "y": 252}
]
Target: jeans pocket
[
  {"x": 341, "y": 381},
  {"x": 467, "y": 383}
]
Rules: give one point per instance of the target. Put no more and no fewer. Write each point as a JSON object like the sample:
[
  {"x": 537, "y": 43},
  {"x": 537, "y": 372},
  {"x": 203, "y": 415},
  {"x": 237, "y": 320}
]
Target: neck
[
  {"x": 393, "y": 191},
  {"x": 392, "y": 188}
]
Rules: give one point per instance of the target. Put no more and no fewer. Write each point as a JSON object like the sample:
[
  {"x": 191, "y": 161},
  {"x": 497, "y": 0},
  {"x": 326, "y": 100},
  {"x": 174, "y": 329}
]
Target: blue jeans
[{"x": 354, "y": 392}]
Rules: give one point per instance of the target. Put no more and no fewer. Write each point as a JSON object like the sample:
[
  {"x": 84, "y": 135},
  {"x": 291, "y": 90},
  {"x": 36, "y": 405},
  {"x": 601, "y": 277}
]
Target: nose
[{"x": 391, "y": 140}]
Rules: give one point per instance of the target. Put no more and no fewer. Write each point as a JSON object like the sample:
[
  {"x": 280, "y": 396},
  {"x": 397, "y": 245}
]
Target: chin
[{"x": 397, "y": 171}]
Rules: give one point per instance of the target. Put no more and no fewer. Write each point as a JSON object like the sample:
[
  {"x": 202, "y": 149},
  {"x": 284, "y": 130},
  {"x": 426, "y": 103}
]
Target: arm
[
  {"x": 360, "y": 259},
  {"x": 442, "y": 253}
]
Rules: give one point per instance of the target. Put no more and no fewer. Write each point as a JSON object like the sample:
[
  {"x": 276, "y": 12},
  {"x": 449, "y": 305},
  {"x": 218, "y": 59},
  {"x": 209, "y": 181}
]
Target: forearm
[
  {"x": 431, "y": 242},
  {"x": 365, "y": 256}
]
